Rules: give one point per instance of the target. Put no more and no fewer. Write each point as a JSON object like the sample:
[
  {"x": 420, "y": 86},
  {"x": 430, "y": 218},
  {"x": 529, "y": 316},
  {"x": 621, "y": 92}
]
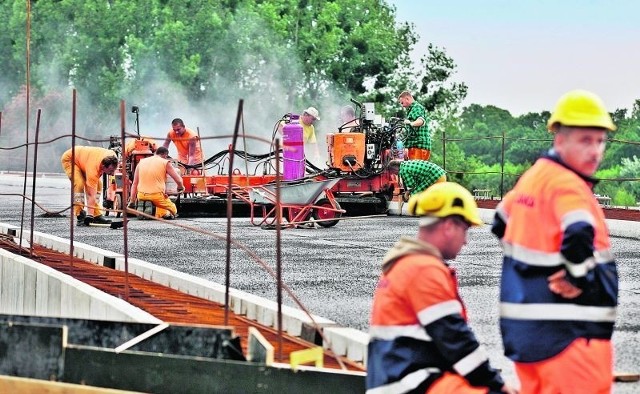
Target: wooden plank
[
  {"x": 12, "y": 384},
  {"x": 626, "y": 377}
]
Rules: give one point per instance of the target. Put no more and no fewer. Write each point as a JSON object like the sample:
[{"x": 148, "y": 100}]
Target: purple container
[{"x": 293, "y": 150}]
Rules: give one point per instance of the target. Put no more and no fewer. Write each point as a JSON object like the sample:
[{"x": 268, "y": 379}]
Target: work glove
[
  {"x": 132, "y": 205},
  {"x": 407, "y": 122}
]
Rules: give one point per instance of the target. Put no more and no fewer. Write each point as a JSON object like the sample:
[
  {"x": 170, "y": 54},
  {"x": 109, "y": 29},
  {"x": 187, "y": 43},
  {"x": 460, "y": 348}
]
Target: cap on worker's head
[
  {"x": 580, "y": 108},
  {"x": 445, "y": 199},
  {"x": 313, "y": 112}
]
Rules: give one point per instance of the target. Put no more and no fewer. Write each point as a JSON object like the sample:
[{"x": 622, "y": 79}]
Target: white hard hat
[{"x": 313, "y": 112}]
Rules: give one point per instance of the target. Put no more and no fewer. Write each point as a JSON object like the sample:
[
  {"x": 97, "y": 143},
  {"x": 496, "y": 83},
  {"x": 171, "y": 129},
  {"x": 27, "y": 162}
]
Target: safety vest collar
[{"x": 552, "y": 155}]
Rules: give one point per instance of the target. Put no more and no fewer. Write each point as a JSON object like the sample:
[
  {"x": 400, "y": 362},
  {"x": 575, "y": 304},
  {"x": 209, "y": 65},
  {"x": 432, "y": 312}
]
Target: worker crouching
[{"x": 149, "y": 184}]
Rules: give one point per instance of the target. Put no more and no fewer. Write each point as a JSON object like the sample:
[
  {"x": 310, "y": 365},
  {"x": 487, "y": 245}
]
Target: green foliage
[
  {"x": 607, "y": 185},
  {"x": 287, "y": 53},
  {"x": 623, "y": 198},
  {"x": 631, "y": 170},
  {"x": 114, "y": 49}
]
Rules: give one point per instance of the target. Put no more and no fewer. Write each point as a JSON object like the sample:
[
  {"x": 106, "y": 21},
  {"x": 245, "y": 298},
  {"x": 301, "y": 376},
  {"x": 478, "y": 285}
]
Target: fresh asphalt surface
[{"x": 332, "y": 271}]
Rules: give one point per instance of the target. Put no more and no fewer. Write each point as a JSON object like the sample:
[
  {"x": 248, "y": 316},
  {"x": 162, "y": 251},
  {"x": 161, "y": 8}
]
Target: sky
[{"x": 522, "y": 55}]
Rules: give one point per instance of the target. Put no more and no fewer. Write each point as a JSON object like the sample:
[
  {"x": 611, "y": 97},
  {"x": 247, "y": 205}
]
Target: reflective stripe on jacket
[
  {"x": 548, "y": 222},
  {"x": 418, "y": 326}
]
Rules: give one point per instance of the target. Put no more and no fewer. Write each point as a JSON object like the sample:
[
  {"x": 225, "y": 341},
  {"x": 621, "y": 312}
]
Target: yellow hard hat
[
  {"x": 445, "y": 199},
  {"x": 580, "y": 108}
]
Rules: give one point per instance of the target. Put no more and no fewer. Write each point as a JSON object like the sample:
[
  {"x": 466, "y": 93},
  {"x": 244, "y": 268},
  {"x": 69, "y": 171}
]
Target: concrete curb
[
  {"x": 30, "y": 288},
  {"x": 343, "y": 341}
]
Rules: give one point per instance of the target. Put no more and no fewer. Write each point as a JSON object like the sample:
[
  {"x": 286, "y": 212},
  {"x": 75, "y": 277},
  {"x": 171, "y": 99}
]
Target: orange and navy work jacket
[
  {"x": 418, "y": 327},
  {"x": 551, "y": 221},
  {"x": 182, "y": 145}
]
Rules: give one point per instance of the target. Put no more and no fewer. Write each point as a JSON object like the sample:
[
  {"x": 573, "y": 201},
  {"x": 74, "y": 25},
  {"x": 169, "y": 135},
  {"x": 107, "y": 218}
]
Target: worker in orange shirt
[
  {"x": 90, "y": 163},
  {"x": 187, "y": 144},
  {"x": 559, "y": 288},
  {"x": 419, "y": 337},
  {"x": 149, "y": 183},
  {"x": 131, "y": 145}
]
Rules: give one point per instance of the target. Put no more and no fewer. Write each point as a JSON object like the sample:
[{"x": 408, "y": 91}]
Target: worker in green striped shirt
[{"x": 416, "y": 175}]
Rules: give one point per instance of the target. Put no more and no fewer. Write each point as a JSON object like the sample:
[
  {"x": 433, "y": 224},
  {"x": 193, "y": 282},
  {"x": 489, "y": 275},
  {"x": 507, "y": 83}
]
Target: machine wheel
[
  {"x": 322, "y": 214},
  {"x": 289, "y": 213},
  {"x": 117, "y": 204}
]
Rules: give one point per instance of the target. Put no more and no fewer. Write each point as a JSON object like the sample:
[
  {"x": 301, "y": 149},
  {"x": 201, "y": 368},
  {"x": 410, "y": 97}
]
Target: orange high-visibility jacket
[
  {"x": 418, "y": 326},
  {"x": 551, "y": 221}
]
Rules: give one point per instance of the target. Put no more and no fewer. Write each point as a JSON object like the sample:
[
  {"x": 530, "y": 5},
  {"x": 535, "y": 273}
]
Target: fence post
[
  {"x": 444, "y": 150},
  {"x": 502, "y": 168}
]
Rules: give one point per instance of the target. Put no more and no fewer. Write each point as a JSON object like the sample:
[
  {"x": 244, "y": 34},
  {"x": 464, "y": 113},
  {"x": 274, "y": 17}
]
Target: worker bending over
[
  {"x": 416, "y": 175},
  {"x": 149, "y": 183},
  {"x": 90, "y": 163}
]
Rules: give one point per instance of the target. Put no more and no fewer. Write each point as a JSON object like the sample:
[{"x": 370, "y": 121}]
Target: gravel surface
[{"x": 331, "y": 271}]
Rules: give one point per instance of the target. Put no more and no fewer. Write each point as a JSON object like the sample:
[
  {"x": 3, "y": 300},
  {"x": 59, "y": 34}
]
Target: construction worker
[
  {"x": 187, "y": 144},
  {"x": 418, "y": 136},
  {"x": 416, "y": 175},
  {"x": 419, "y": 337},
  {"x": 149, "y": 183},
  {"x": 307, "y": 120},
  {"x": 133, "y": 144},
  {"x": 559, "y": 281},
  {"x": 348, "y": 120},
  {"x": 90, "y": 163}
]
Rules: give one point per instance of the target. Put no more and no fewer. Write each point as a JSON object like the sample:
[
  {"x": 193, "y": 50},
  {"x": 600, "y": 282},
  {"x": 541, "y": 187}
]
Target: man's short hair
[
  {"x": 405, "y": 93},
  {"x": 177, "y": 121},
  {"x": 162, "y": 151},
  {"x": 110, "y": 161},
  {"x": 348, "y": 110}
]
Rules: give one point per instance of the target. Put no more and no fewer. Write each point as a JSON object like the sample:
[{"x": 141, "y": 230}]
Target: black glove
[{"x": 132, "y": 205}]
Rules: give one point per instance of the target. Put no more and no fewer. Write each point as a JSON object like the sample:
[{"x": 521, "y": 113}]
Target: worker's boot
[
  {"x": 81, "y": 217},
  {"x": 146, "y": 207},
  {"x": 97, "y": 221}
]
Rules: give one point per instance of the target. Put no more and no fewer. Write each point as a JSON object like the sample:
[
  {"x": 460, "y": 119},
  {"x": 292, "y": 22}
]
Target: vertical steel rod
[
  {"x": 125, "y": 197},
  {"x": 33, "y": 185},
  {"x": 26, "y": 147},
  {"x": 227, "y": 268},
  {"x": 73, "y": 174},
  {"x": 279, "y": 250}
]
